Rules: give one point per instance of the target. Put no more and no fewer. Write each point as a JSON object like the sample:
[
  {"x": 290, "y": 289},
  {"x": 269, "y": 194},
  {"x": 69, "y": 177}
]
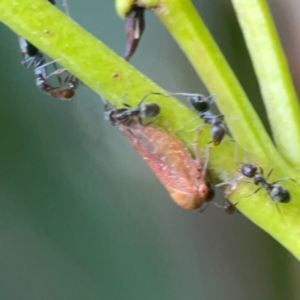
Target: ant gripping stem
[
  {"x": 128, "y": 115},
  {"x": 66, "y": 89},
  {"x": 276, "y": 192},
  {"x": 203, "y": 106},
  {"x": 30, "y": 54}
]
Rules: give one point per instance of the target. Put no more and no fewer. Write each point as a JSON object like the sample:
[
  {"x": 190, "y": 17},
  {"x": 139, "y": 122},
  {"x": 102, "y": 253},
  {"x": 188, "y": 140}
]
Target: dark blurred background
[{"x": 82, "y": 216}]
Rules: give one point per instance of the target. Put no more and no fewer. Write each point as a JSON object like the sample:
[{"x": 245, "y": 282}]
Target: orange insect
[{"x": 183, "y": 177}]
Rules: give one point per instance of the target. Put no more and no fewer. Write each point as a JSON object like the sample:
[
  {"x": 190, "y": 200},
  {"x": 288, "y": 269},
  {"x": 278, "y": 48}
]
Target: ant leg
[
  {"x": 192, "y": 120},
  {"x": 196, "y": 128},
  {"x": 74, "y": 80},
  {"x": 284, "y": 179},
  {"x": 279, "y": 211},
  {"x": 107, "y": 106},
  {"x": 126, "y": 105},
  {"x": 232, "y": 182},
  {"x": 269, "y": 174},
  {"x": 223, "y": 183},
  {"x": 212, "y": 116},
  {"x": 146, "y": 96},
  {"x": 50, "y": 63},
  {"x": 57, "y": 72},
  {"x": 210, "y": 98},
  {"x": 140, "y": 121},
  {"x": 186, "y": 94},
  {"x": 250, "y": 195}
]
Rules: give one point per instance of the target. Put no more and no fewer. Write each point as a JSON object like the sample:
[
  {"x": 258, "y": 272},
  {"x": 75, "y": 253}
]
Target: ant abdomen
[
  {"x": 149, "y": 110},
  {"x": 280, "y": 194},
  {"x": 218, "y": 133}
]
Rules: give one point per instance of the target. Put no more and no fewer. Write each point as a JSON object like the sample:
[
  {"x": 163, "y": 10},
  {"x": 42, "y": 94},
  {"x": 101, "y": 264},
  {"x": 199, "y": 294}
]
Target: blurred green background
[{"x": 82, "y": 216}]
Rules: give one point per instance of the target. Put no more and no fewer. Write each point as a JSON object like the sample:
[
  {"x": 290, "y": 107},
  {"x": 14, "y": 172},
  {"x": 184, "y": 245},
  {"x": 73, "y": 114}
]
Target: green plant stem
[
  {"x": 90, "y": 60},
  {"x": 187, "y": 28},
  {"x": 273, "y": 75}
]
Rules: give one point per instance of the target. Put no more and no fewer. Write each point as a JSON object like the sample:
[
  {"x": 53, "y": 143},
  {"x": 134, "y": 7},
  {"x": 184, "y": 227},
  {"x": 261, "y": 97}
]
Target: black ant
[
  {"x": 276, "y": 192},
  {"x": 30, "y": 54},
  {"x": 127, "y": 115},
  {"x": 134, "y": 27},
  {"x": 202, "y": 105},
  {"x": 66, "y": 89}
]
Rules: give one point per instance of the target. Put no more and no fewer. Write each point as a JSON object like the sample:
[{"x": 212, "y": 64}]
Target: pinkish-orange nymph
[{"x": 183, "y": 177}]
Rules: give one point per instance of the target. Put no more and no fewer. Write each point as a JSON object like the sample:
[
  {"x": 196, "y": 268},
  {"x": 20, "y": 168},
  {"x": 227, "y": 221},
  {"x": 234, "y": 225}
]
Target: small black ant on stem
[
  {"x": 30, "y": 54},
  {"x": 202, "y": 105},
  {"x": 127, "y": 115},
  {"x": 276, "y": 192},
  {"x": 66, "y": 89}
]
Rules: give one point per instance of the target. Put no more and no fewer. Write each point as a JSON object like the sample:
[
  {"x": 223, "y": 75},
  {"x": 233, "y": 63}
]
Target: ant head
[
  {"x": 149, "y": 110},
  {"x": 280, "y": 194},
  {"x": 229, "y": 207},
  {"x": 200, "y": 103},
  {"x": 248, "y": 170},
  {"x": 218, "y": 132}
]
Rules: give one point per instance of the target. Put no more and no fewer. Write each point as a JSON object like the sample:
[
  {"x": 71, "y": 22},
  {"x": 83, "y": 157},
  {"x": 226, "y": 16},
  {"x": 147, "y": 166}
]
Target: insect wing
[{"x": 170, "y": 161}]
